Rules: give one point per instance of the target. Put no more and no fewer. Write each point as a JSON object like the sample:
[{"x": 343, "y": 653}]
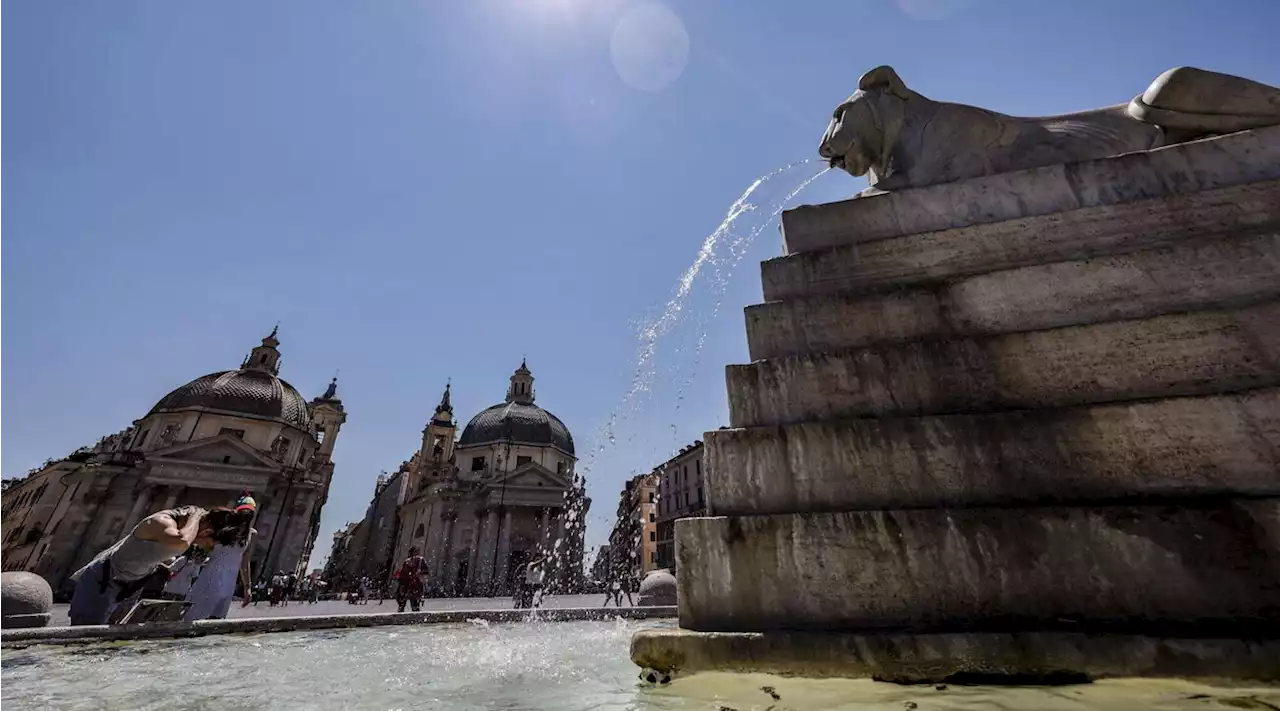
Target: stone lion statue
[{"x": 901, "y": 139}]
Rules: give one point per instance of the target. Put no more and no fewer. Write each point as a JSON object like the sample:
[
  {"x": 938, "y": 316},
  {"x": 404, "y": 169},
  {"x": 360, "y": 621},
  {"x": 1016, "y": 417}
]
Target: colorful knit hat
[{"x": 246, "y": 503}]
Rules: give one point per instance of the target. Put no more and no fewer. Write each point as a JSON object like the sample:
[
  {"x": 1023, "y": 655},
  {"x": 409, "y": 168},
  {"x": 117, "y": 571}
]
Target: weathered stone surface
[
  {"x": 25, "y": 600},
  {"x": 1214, "y": 445},
  {"x": 1180, "y": 170},
  {"x": 658, "y": 588},
  {"x": 1180, "y": 277},
  {"x": 983, "y": 569},
  {"x": 1174, "y": 355},
  {"x": 950, "y": 657},
  {"x": 925, "y": 257}
]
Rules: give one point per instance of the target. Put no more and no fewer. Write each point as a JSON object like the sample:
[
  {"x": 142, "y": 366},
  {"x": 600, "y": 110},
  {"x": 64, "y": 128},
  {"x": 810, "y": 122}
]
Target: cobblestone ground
[{"x": 337, "y": 607}]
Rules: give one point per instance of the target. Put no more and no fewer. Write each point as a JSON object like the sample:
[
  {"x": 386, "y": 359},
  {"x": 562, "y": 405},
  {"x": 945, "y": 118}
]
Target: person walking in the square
[{"x": 410, "y": 581}]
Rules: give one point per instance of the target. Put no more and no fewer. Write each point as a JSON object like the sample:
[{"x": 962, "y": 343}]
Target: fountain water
[
  {"x": 720, "y": 253},
  {"x": 502, "y": 666}
]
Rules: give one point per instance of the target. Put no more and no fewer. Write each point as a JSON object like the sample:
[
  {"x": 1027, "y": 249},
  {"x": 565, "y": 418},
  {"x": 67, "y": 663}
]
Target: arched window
[{"x": 420, "y": 531}]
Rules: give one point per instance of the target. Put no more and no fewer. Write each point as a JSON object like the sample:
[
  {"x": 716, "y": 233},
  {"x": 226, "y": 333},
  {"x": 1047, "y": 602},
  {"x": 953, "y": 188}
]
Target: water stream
[{"x": 667, "y": 334}]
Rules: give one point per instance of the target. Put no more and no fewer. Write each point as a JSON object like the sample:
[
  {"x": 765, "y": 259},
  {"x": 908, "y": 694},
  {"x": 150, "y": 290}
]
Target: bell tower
[
  {"x": 266, "y": 356},
  {"x": 328, "y": 414},
  {"x": 521, "y": 389},
  {"x": 436, "y": 455}
]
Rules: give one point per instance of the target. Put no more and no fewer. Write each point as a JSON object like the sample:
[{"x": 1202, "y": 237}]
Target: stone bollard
[
  {"x": 25, "y": 600},
  {"x": 658, "y": 588}
]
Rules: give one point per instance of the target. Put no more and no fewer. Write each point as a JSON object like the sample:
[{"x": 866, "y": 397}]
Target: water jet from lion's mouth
[{"x": 722, "y": 249}]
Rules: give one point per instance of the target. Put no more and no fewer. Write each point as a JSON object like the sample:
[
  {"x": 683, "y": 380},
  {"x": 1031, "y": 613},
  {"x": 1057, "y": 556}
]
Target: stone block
[
  {"x": 658, "y": 588},
  {"x": 1017, "y": 657},
  {"x": 925, "y": 257},
  {"x": 1195, "y": 353},
  {"x": 1133, "y": 568},
  {"x": 1183, "y": 169},
  {"x": 1202, "y": 446},
  {"x": 1180, "y": 277},
  {"x": 25, "y": 600}
]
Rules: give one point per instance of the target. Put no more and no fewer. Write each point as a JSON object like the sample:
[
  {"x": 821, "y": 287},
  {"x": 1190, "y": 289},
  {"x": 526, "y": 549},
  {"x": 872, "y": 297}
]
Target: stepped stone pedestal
[{"x": 1021, "y": 426}]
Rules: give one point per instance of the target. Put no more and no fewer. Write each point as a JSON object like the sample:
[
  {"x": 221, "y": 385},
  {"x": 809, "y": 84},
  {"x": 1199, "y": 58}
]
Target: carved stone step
[
  {"x": 1167, "y": 356},
  {"x": 1234, "y": 159},
  {"x": 1021, "y": 657},
  {"x": 888, "y": 264},
  {"x": 1178, "y": 277},
  {"x": 983, "y": 569},
  {"x": 1212, "y": 445}
]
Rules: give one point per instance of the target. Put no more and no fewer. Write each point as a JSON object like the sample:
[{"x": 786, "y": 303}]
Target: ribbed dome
[
  {"x": 519, "y": 423},
  {"x": 252, "y": 392}
]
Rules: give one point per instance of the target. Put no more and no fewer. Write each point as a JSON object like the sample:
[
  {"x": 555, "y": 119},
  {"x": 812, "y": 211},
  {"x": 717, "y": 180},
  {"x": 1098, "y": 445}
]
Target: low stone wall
[{"x": 163, "y": 630}]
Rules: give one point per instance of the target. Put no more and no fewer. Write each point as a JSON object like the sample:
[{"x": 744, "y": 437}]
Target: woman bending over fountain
[
  {"x": 212, "y": 592},
  {"x": 118, "y": 573}
]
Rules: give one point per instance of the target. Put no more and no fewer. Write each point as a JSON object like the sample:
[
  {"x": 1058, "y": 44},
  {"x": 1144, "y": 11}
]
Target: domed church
[
  {"x": 481, "y": 506},
  {"x": 204, "y": 444}
]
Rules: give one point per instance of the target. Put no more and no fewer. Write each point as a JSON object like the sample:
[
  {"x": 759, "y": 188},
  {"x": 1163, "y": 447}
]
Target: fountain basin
[{"x": 561, "y": 666}]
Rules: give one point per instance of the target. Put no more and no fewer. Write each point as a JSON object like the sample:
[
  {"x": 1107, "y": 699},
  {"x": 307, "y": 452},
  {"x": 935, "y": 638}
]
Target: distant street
[{"x": 337, "y": 607}]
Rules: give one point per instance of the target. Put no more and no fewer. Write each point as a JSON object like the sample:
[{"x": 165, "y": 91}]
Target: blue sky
[{"x": 434, "y": 189}]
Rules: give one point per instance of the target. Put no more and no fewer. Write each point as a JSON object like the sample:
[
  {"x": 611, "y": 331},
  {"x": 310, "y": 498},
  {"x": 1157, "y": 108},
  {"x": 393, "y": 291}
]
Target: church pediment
[
  {"x": 220, "y": 449},
  {"x": 532, "y": 475}
]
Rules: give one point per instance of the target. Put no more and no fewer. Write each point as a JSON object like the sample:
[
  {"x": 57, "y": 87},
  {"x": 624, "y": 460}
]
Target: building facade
[
  {"x": 680, "y": 494},
  {"x": 482, "y": 504},
  {"x": 633, "y": 542},
  {"x": 600, "y": 566},
  {"x": 344, "y": 556},
  {"x": 205, "y": 444}
]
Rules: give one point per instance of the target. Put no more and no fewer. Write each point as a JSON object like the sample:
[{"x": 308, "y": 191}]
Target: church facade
[
  {"x": 481, "y": 505},
  {"x": 204, "y": 444}
]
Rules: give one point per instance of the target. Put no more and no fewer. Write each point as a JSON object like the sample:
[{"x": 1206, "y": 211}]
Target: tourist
[
  {"x": 628, "y": 582},
  {"x": 612, "y": 590},
  {"x": 315, "y": 591},
  {"x": 410, "y": 581},
  {"x": 117, "y": 574},
  {"x": 533, "y": 576},
  {"x": 364, "y": 590},
  {"x": 211, "y": 595},
  {"x": 278, "y": 582},
  {"x": 182, "y": 573}
]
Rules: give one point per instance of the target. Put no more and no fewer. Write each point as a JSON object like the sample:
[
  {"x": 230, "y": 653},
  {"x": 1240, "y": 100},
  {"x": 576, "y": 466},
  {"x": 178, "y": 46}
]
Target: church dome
[
  {"x": 255, "y": 393},
  {"x": 521, "y": 423},
  {"x": 255, "y": 390}
]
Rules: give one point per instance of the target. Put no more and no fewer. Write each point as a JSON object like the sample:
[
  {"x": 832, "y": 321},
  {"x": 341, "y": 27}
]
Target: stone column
[
  {"x": 434, "y": 545},
  {"x": 447, "y": 573},
  {"x": 485, "y": 554},
  {"x": 171, "y": 500},
  {"x": 544, "y": 527},
  {"x": 504, "y": 553},
  {"x": 473, "y": 556},
  {"x": 139, "y": 510}
]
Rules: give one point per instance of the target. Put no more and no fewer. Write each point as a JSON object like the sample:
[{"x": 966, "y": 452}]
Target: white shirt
[{"x": 533, "y": 574}]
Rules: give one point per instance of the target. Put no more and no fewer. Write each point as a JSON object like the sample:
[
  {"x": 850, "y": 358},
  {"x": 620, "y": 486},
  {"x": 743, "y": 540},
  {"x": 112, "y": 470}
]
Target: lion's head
[{"x": 864, "y": 129}]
